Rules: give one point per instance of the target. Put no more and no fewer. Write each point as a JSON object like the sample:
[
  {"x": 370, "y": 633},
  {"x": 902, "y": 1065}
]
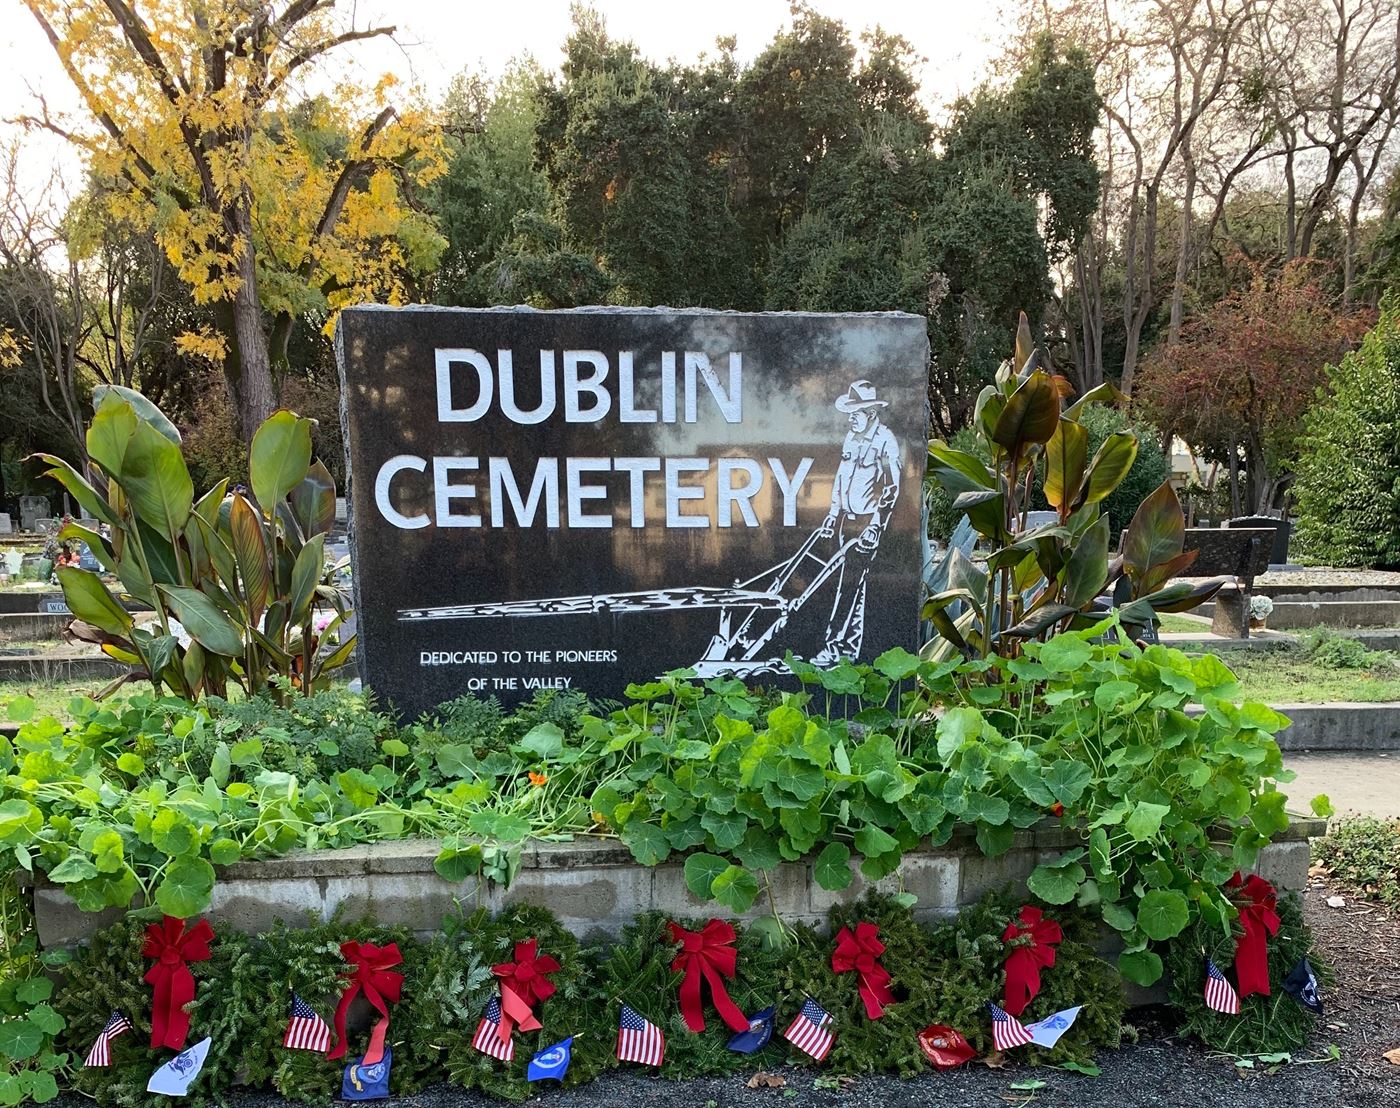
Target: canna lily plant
[
  {"x": 234, "y": 580},
  {"x": 1038, "y": 581}
]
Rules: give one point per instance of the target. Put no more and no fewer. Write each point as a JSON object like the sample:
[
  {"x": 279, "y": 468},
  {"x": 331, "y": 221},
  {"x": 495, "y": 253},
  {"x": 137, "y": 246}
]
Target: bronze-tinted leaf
[
  {"x": 1156, "y": 533},
  {"x": 1086, "y": 573},
  {"x": 1030, "y": 416},
  {"x": 250, "y": 553}
]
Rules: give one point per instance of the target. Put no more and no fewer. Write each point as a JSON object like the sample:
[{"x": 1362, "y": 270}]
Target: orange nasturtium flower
[{"x": 538, "y": 779}]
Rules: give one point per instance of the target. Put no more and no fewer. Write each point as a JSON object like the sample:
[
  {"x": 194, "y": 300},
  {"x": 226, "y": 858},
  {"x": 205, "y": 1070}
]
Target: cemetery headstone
[
  {"x": 586, "y": 498},
  {"x": 6, "y": 524},
  {"x": 31, "y": 510},
  {"x": 55, "y": 606}
]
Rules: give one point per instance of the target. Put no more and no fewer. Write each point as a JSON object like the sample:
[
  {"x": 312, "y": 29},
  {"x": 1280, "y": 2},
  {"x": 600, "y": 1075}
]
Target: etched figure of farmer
[{"x": 862, "y": 497}]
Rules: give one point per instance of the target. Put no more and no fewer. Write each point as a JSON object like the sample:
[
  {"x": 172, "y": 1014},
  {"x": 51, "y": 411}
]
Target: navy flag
[
  {"x": 1301, "y": 985},
  {"x": 551, "y": 1062},
  {"x": 759, "y": 1032}
]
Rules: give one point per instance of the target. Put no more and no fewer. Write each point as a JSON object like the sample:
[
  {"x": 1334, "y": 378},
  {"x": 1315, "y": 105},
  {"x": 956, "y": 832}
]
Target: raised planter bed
[{"x": 595, "y": 885}]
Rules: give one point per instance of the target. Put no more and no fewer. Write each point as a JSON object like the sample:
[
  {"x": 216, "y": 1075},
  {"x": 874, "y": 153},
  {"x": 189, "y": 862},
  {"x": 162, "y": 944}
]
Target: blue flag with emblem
[
  {"x": 367, "y": 1082},
  {"x": 759, "y": 1032},
  {"x": 551, "y": 1062}
]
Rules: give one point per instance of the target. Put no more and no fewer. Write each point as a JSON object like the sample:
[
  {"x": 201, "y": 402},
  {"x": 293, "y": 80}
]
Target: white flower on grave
[{"x": 1260, "y": 607}]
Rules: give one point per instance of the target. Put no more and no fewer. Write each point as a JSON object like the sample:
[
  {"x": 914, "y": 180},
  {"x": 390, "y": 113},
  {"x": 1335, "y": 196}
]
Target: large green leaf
[
  {"x": 306, "y": 572},
  {"x": 1065, "y": 455},
  {"x": 78, "y": 488},
  {"x": 144, "y": 409},
  {"x": 157, "y": 481},
  {"x": 76, "y": 532},
  {"x": 1111, "y": 464},
  {"x": 1086, "y": 573},
  {"x": 1156, "y": 533},
  {"x": 1107, "y": 393},
  {"x": 279, "y": 458},
  {"x": 957, "y": 470},
  {"x": 250, "y": 554},
  {"x": 89, "y": 600},
  {"x": 108, "y": 434},
  {"x": 20, "y": 1039},
  {"x": 204, "y": 620},
  {"x": 1031, "y": 414},
  {"x": 313, "y": 501}
]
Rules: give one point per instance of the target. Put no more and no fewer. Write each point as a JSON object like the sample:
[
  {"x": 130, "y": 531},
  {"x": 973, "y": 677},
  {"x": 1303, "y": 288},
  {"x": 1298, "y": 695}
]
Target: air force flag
[
  {"x": 177, "y": 1075},
  {"x": 551, "y": 1062}
]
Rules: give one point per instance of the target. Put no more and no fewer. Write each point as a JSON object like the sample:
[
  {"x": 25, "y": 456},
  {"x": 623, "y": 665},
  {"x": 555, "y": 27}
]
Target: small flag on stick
[
  {"x": 1220, "y": 996},
  {"x": 488, "y": 1039},
  {"x": 101, "y": 1052},
  {"x": 1301, "y": 985},
  {"x": 1007, "y": 1031},
  {"x": 306, "y": 1030},
  {"x": 760, "y": 1030},
  {"x": 551, "y": 1062},
  {"x": 639, "y": 1040},
  {"x": 810, "y": 1032}
]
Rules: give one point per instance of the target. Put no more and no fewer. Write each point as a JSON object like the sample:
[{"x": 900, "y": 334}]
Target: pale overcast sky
[{"x": 439, "y": 38}]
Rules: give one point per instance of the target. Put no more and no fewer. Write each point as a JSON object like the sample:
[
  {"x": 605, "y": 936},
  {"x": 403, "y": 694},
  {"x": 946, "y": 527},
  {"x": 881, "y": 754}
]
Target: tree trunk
[
  {"x": 1183, "y": 252},
  {"x": 247, "y": 368}
]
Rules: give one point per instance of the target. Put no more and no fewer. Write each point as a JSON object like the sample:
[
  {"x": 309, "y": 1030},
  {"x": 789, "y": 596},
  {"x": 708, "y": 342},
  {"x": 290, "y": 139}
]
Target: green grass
[
  {"x": 1173, "y": 623},
  {"x": 51, "y": 699},
  {"x": 1286, "y": 675}
]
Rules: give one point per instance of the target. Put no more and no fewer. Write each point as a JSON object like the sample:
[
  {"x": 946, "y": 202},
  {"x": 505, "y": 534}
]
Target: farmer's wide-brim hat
[{"x": 859, "y": 397}]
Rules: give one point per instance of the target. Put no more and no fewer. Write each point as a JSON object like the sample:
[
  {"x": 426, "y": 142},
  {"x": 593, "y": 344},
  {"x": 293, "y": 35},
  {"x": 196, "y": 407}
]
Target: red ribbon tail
[
  {"x": 691, "y": 1011},
  {"x": 727, "y": 1009},
  {"x": 515, "y": 1012},
  {"x": 875, "y": 993},
  {"x": 341, "y": 1009},
  {"x": 1252, "y": 960}
]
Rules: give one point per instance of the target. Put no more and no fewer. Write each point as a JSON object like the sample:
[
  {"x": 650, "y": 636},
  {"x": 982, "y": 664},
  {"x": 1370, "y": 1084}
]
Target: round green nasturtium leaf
[
  {"x": 504, "y": 826},
  {"x": 43, "y": 1087},
  {"x": 33, "y": 990},
  {"x": 224, "y": 852},
  {"x": 1162, "y": 914},
  {"x": 454, "y": 864},
  {"x": 20, "y": 1039},
  {"x": 1141, "y": 967},
  {"x": 75, "y": 867},
  {"x": 701, "y": 871},
  {"x": 184, "y": 890},
  {"x": 735, "y": 888},
  {"x": 395, "y": 748},
  {"x": 1056, "y": 884},
  {"x": 647, "y": 842},
  {"x": 832, "y": 869},
  {"x": 46, "y": 1019}
]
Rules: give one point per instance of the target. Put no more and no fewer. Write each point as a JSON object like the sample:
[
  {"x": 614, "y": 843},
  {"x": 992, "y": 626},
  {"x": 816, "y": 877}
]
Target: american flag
[
  {"x": 101, "y": 1052},
  {"x": 1220, "y": 996},
  {"x": 1007, "y": 1031},
  {"x": 488, "y": 1039},
  {"x": 810, "y": 1030},
  {"x": 639, "y": 1040},
  {"x": 306, "y": 1030}
]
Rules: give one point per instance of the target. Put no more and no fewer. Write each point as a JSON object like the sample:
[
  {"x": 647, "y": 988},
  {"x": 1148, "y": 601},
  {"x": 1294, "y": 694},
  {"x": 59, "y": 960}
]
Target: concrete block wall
[{"x": 593, "y": 885}]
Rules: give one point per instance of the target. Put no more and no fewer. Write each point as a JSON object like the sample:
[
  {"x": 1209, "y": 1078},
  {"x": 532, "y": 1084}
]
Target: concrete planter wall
[{"x": 593, "y": 886}]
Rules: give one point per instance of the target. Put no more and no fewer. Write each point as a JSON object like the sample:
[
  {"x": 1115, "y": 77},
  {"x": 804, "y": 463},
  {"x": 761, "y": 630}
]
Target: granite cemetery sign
[{"x": 586, "y": 498}]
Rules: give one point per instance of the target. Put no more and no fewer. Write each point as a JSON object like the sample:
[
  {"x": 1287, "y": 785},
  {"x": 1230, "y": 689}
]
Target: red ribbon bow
[
  {"x": 524, "y": 983},
  {"x": 708, "y": 955},
  {"x": 1025, "y": 960},
  {"x": 172, "y": 947},
  {"x": 860, "y": 952},
  {"x": 1258, "y": 914},
  {"x": 372, "y": 976}
]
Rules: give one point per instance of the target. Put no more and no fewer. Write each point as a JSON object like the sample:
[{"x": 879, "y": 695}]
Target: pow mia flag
[{"x": 1301, "y": 985}]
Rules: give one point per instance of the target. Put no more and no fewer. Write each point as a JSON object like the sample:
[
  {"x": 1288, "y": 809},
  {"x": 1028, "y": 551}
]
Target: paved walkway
[{"x": 1357, "y": 784}]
